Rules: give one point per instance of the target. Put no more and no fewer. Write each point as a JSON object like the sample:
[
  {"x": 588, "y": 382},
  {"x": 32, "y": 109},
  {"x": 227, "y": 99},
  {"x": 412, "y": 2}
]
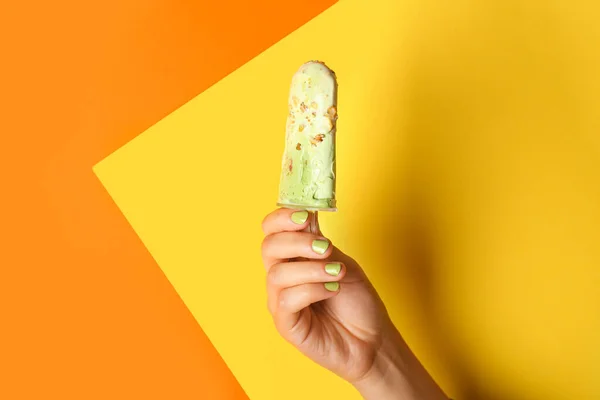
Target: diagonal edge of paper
[{"x": 161, "y": 181}]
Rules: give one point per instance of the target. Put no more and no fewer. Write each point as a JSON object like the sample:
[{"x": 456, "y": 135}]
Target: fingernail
[
  {"x": 333, "y": 269},
  {"x": 320, "y": 246},
  {"x": 299, "y": 217},
  {"x": 332, "y": 286}
]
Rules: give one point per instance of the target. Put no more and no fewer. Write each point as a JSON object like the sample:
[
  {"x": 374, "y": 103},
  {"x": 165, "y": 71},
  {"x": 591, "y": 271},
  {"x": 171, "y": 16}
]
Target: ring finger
[{"x": 289, "y": 274}]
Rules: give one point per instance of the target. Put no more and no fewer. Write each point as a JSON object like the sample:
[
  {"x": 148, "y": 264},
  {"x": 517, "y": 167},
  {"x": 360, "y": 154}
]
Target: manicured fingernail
[
  {"x": 299, "y": 217},
  {"x": 333, "y": 269},
  {"x": 332, "y": 286},
  {"x": 320, "y": 246}
]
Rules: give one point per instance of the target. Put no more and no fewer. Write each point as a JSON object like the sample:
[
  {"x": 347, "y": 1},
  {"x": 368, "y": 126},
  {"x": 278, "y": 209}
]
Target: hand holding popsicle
[
  {"x": 320, "y": 299},
  {"x": 324, "y": 305}
]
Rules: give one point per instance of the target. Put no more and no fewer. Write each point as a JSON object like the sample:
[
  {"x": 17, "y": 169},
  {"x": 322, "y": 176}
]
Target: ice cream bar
[{"x": 308, "y": 166}]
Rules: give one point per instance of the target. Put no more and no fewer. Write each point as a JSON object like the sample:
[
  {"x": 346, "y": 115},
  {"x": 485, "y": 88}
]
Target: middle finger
[{"x": 287, "y": 245}]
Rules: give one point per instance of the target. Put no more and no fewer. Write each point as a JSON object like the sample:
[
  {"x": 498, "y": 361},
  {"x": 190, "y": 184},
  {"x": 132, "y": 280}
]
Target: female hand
[{"x": 323, "y": 304}]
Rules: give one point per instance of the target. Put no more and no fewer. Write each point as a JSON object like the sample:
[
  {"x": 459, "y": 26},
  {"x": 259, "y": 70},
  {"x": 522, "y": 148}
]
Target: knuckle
[
  {"x": 274, "y": 275},
  {"x": 265, "y": 224},
  {"x": 264, "y": 247},
  {"x": 283, "y": 302}
]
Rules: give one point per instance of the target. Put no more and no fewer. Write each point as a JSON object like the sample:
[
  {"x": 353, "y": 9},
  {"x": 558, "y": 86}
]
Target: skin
[{"x": 347, "y": 331}]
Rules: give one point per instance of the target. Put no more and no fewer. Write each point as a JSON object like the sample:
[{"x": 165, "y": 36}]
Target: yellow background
[{"x": 468, "y": 188}]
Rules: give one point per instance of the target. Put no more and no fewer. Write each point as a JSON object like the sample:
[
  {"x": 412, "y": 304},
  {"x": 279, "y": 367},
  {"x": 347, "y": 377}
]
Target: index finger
[{"x": 285, "y": 220}]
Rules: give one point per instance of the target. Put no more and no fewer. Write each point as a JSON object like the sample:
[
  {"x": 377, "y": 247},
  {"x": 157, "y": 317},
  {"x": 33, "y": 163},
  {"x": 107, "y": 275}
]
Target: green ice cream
[{"x": 308, "y": 167}]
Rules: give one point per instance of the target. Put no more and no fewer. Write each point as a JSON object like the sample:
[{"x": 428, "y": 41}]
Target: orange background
[{"x": 86, "y": 313}]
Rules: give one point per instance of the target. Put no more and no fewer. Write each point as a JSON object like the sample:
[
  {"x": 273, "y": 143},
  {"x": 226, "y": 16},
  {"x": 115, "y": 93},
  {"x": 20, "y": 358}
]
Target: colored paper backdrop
[{"x": 469, "y": 162}]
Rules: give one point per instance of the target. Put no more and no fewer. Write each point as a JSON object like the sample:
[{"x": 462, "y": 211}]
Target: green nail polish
[
  {"x": 332, "y": 286},
  {"x": 299, "y": 217},
  {"x": 333, "y": 269},
  {"x": 320, "y": 246}
]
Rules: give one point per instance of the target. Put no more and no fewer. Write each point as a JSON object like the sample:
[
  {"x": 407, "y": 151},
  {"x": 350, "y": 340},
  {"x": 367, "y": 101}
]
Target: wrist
[
  {"x": 385, "y": 377},
  {"x": 397, "y": 374}
]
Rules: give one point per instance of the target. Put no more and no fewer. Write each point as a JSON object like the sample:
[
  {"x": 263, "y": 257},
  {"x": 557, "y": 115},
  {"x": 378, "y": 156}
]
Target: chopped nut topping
[
  {"x": 314, "y": 105},
  {"x": 332, "y": 112},
  {"x": 300, "y": 128},
  {"x": 303, "y": 107},
  {"x": 317, "y": 139},
  {"x": 298, "y": 146}
]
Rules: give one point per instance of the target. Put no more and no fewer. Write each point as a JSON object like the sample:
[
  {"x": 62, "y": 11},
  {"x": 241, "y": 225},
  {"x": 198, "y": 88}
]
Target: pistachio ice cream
[{"x": 308, "y": 166}]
